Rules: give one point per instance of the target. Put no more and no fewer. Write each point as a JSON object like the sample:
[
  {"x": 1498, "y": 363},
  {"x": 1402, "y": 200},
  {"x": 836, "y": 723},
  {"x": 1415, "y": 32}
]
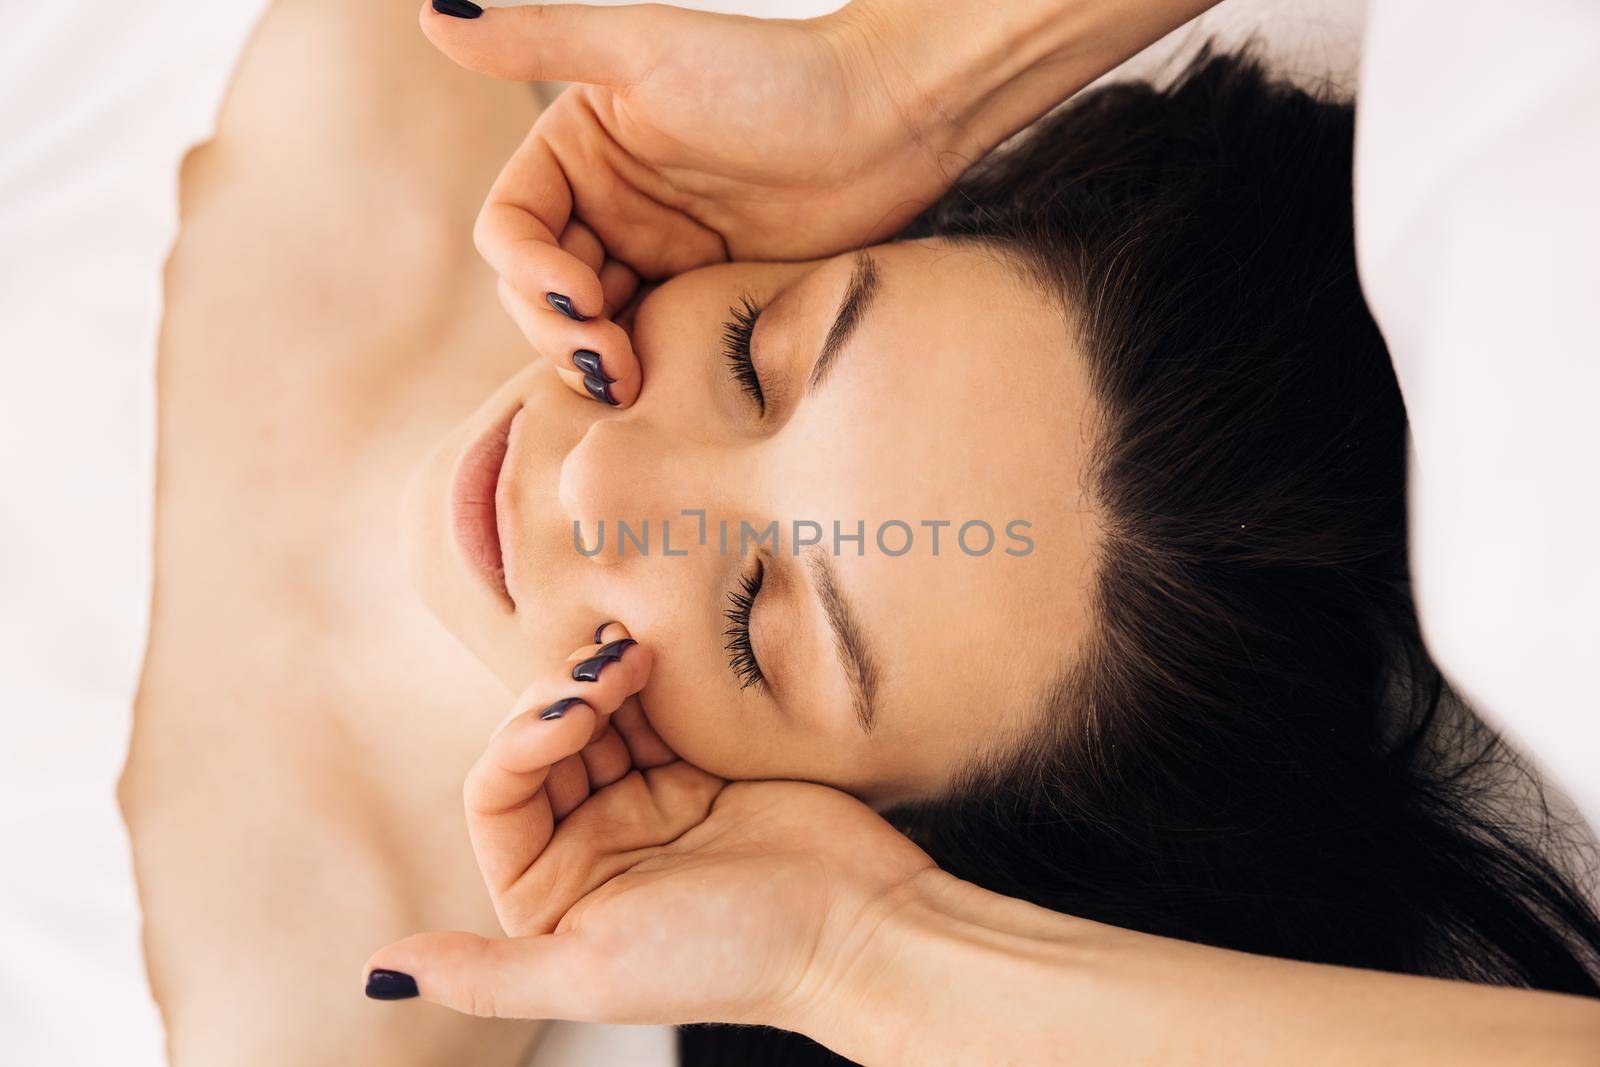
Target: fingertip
[
  {"x": 607, "y": 634},
  {"x": 602, "y": 391},
  {"x": 555, "y": 280},
  {"x": 640, "y": 659},
  {"x": 557, "y": 709},
  {"x": 425, "y": 18},
  {"x": 515, "y": 239},
  {"x": 384, "y": 984},
  {"x": 563, "y": 305},
  {"x": 618, "y": 284},
  {"x": 636, "y": 661},
  {"x": 617, "y": 646},
  {"x": 412, "y": 967},
  {"x": 437, "y": 18},
  {"x": 535, "y": 706}
]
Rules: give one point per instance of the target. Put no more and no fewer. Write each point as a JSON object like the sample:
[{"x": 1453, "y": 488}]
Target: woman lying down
[{"x": 1058, "y": 544}]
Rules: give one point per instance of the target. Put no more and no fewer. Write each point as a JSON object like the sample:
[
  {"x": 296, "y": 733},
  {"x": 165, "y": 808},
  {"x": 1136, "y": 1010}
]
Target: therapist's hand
[
  {"x": 665, "y": 894},
  {"x": 698, "y": 137}
]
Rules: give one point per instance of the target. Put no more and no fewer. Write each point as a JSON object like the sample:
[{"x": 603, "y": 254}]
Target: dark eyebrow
[
  {"x": 858, "y": 295},
  {"x": 849, "y": 640}
]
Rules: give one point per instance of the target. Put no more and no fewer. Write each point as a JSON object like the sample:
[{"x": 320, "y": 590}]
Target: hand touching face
[
  {"x": 636, "y": 887},
  {"x": 696, "y": 138}
]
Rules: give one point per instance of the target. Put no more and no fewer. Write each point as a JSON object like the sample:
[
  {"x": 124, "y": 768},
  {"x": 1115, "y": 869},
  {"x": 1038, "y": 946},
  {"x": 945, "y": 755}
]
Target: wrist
[
  {"x": 928, "y": 971},
  {"x": 974, "y": 72}
]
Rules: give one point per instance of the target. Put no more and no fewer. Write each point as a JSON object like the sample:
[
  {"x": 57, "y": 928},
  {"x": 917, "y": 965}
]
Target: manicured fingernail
[
  {"x": 589, "y": 670},
  {"x": 588, "y": 361},
  {"x": 392, "y": 985},
  {"x": 600, "y": 631},
  {"x": 559, "y": 708},
  {"x": 556, "y": 300},
  {"x": 598, "y": 389},
  {"x": 460, "y": 9},
  {"x": 615, "y": 649}
]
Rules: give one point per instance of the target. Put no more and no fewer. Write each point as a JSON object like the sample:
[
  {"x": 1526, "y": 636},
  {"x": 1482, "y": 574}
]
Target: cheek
[
  {"x": 692, "y": 699},
  {"x": 689, "y": 699}
]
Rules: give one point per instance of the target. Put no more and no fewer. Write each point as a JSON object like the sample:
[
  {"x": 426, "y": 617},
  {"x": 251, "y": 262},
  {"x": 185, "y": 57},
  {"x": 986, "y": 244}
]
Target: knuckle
[{"x": 481, "y": 1002}]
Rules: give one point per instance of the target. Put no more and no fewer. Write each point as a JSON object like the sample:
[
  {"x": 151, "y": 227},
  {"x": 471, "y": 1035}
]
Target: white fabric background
[
  {"x": 101, "y": 101},
  {"x": 1478, "y": 232},
  {"x": 1477, "y": 262}
]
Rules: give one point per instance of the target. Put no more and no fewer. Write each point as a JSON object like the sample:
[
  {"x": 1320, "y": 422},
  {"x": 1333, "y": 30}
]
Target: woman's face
[{"x": 915, "y": 385}]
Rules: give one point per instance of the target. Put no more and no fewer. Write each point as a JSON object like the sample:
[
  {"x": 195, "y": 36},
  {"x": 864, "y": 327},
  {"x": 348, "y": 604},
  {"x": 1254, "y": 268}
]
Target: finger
[
  {"x": 509, "y": 816},
  {"x": 515, "y": 232},
  {"x": 567, "y": 786},
  {"x": 613, "y": 46},
  {"x": 555, "y": 287},
  {"x": 580, "y": 241},
  {"x": 618, "y": 283},
  {"x": 544, "y": 334},
  {"x": 606, "y": 759},
  {"x": 627, "y": 317},
  {"x": 594, "y": 359},
  {"x": 603, "y": 838},
  {"x": 551, "y": 976},
  {"x": 543, "y": 731},
  {"x": 546, "y": 337},
  {"x": 610, "y": 631},
  {"x": 645, "y": 747},
  {"x": 611, "y": 640},
  {"x": 625, "y": 202},
  {"x": 511, "y": 803},
  {"x": 619, "y": 197}
]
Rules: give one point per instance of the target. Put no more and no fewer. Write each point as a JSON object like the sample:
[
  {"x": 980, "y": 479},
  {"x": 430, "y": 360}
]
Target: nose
[{"x": 638, "y": 477}]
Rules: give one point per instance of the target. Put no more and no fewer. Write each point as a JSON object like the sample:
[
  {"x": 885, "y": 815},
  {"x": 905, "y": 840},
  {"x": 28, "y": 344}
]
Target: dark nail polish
[
  {"x": 589, "y": 670},
  {"x": 460, "y": 9},
  {"x": 559, "y": 708},
  {"x": 615, "y": 649},
  {"x": 391, "y": 985},
  {"x": 598, "y": 389},
  {"x": 588, "y": 361},
  {"x": 600, "y": 631},
  {"x": 556, "y": 300}
]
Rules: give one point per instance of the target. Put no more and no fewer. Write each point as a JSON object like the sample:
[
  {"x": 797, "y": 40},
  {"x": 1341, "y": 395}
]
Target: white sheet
[
  {"x": 1478, "y": 226},
  {"x": 101, "y": 101}
]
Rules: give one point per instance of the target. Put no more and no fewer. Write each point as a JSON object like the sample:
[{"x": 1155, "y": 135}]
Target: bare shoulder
[
  {"x": 324, "y": 264},
  {"x": 349, "y": 162},
  {"x": 330, "y": 94}
]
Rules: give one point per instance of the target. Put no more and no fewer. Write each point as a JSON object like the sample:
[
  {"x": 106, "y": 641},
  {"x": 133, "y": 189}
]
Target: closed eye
[
  {"x": 736, "y": 334},
  {"x": 741, "y": 654}
]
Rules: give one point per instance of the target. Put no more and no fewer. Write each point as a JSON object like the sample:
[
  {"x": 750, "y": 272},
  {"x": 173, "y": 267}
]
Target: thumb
[
  {"x": 613, "y": 46},
  {"x": 548, "y": 976}
]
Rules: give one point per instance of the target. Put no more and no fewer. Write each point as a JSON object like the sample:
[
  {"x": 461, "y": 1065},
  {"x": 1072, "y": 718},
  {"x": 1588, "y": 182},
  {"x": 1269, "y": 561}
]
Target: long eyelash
[
  {"x": 741, "y": 657},
  {"x": 736, "y": 334}
]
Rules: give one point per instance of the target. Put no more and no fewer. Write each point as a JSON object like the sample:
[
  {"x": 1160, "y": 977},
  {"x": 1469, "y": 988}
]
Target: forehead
[
  {"x": 966, "y": 370},
  {"x": 958, "y": 410}
]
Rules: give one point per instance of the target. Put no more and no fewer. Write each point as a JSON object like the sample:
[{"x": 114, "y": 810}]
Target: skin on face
[{"x": 955, "y": 396}]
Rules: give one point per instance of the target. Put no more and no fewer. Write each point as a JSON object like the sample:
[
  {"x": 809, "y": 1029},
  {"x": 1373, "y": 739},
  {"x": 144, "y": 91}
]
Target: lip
[{"x": 473, "y": 512}]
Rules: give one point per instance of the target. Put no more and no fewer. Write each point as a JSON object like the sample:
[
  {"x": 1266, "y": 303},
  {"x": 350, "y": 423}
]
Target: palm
[
  {"x": 773, "y": 142},
  {"x": 733, "y": 910},
  {"x": 637, "y": 887}
]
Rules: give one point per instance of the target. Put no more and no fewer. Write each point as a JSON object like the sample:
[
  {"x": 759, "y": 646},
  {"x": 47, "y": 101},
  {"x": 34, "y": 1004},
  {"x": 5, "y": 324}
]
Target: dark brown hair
[{"x": 1255, "y": 751}]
